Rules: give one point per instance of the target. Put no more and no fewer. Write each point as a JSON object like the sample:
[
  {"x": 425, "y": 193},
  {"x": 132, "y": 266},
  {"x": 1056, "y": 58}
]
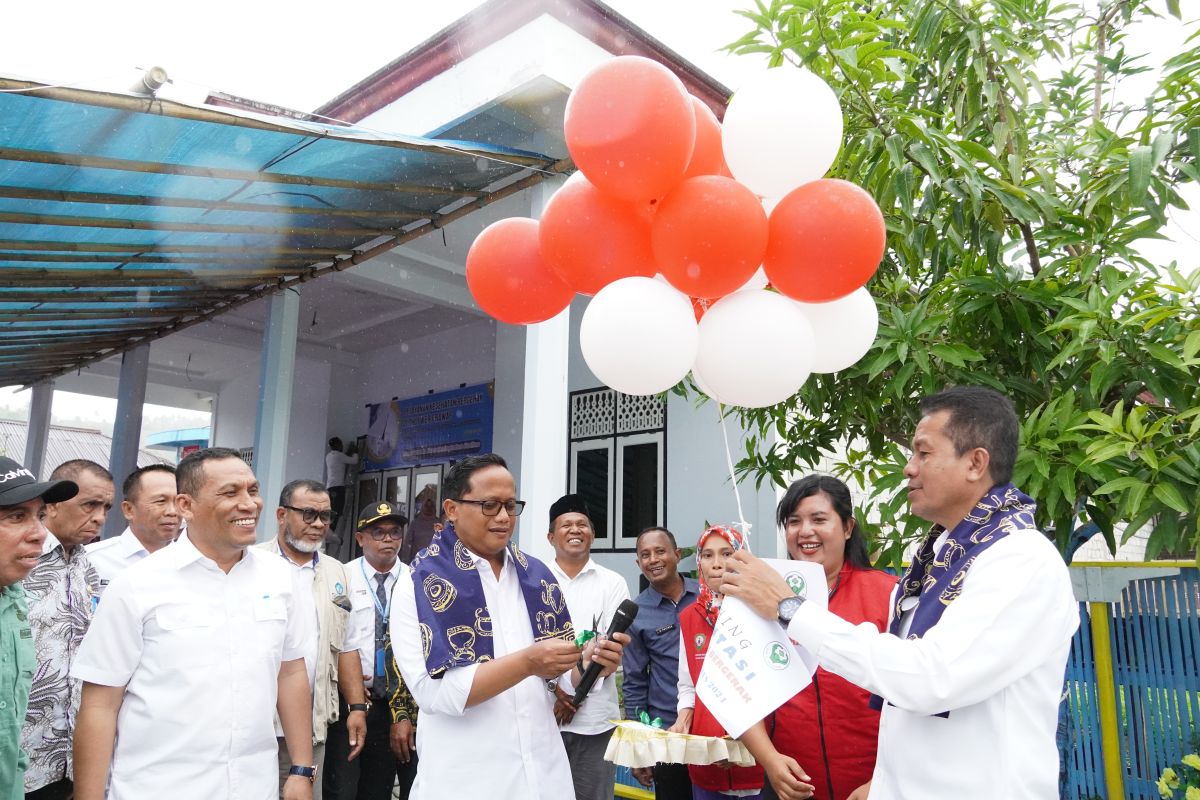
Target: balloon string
[{"x": 733, "y": 477}]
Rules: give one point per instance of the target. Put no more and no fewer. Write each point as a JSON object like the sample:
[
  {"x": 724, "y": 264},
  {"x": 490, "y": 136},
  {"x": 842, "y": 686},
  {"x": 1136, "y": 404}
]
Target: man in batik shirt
[{"x": 60, "y": 591}]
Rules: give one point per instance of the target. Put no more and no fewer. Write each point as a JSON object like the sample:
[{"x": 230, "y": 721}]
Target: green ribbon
[
  {"x": 584, "y": 638},
  {"x": 653, "y": 723}
]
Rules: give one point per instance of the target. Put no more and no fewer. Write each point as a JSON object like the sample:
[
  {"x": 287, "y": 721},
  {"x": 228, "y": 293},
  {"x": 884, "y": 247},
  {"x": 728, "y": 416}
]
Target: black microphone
[{"x": 622, "y": 619}]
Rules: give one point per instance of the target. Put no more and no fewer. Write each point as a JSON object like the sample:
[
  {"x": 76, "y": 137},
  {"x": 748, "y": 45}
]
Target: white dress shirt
[
  {"x": 592, "y": 598},
  {"x": 361, "y": 631},
  {"x": 508, "y": 746},
  {"x": 995, "y": 660},
  {"x": 112, "y": 556},
  {"x": 198, "y": 652}
]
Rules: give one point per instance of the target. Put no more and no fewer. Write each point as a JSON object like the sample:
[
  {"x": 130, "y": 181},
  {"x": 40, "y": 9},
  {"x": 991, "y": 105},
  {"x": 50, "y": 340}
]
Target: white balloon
[
  {"x": 755, "y": 349},
  {"x": 782, "y": 130},
  {"x": 639, "y": 335},
  {"x": 843, "y": 329}
]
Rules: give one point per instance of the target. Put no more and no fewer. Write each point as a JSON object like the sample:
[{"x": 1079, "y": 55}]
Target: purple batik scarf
[
  {"x": 938, "y": 581},
  {"x": 456, "y": 626}
]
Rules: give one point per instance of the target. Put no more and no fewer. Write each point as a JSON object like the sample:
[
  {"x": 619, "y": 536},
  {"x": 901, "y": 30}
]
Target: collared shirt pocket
[{"x": 188, "y": 634}]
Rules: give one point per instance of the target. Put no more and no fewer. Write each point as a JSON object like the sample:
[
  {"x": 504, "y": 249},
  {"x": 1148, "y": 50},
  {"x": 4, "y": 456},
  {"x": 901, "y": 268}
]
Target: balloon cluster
[{"x": 666, "y": 224}]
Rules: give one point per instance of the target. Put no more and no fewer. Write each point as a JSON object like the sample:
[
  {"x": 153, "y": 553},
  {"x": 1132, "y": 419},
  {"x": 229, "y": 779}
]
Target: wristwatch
[
  {"x": 788, "y": 607},
  {"x": 304, "y": 772},
  {"x": 363, "y": 707}
]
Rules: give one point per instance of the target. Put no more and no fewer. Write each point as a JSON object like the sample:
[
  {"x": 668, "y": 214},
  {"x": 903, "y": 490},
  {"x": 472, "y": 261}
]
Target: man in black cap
[
  {"x": 389, "y": 752},
  {"x": 593, "y": 594},
  {"x": 21, "y": 538}
]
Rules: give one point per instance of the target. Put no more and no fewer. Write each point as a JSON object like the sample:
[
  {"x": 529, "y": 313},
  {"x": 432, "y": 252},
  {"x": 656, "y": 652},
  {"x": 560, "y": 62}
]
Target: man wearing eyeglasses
[
  {"x": 390, "y": 751},
  {"x": 480, "y": 628},
  {"x": 331, "y": 649}
]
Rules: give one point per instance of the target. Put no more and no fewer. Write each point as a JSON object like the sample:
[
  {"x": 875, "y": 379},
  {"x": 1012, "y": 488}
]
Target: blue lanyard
[{"x": 380, "y": 607}]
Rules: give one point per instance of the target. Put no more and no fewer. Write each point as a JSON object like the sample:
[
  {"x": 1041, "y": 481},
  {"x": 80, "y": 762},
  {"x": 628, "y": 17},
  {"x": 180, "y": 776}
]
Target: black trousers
[
  {"x": 671, "y": 782},
  {"x": 59, "y": 790},
  {"x": 372, "y": 775}
]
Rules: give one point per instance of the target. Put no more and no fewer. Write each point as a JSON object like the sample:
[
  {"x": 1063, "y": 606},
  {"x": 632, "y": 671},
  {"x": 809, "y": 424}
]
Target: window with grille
[{"x": 617, "y": 462}]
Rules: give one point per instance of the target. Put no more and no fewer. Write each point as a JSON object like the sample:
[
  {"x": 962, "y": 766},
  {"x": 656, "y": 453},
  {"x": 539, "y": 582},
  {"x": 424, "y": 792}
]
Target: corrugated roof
[
  {"x": 126, "y": 218},
  {"x": 64, "y": 444}
]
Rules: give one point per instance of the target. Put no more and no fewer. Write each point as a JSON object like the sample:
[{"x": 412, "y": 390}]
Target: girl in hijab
[{"x": 696, "y": 622}]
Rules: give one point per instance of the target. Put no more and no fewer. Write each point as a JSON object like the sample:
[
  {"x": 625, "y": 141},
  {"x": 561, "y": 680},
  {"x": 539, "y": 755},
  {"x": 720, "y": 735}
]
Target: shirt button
[{"x": 3, "y": 704}]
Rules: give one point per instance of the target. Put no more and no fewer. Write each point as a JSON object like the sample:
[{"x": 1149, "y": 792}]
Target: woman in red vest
[
  {"x": 826, "y": 735},
  {"x": 712, "y": 781}
]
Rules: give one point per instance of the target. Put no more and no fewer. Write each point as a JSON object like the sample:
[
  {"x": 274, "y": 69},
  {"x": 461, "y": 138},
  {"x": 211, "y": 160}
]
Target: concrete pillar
[
  {"x": 37, "y": 434},
  {"x": 543, "y": 477},
  {"x": 275, "y": 404},
  {"x": 127, "y": 428}
]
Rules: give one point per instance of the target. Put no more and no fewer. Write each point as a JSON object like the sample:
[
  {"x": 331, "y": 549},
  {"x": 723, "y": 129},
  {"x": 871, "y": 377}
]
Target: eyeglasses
[
  {"x": 491, "y": 508},
  {"x": 310, "y": 515},
  {"x": 379, "y": 534}
]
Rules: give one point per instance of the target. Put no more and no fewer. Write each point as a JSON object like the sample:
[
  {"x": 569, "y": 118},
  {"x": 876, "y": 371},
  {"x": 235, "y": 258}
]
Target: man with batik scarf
[
  {"x": 479, "y": 629},
  {"x": 970, "y": 671}
]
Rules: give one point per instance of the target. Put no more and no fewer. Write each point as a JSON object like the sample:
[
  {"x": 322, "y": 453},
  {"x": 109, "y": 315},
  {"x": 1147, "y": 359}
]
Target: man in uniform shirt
[
  {"x": 593, "y": 595},
  {"x": 969, "y": 673},
  {"x": 391, "y": 720},
  {"x": 652, "y": 657},
  {"x": 332, "y": 651},
  {"x": 494, "y": 628},
  {"x": 21, "y": 540},
  {"x": 149, "y": 508},
  {"x": 60, "y": 591},
  {"x": 190, "y": 655}
]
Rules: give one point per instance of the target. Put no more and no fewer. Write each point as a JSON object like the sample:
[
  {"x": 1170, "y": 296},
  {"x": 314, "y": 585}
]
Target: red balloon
[
  {"x": 827, "y": 239},
  {"x": 630, "y": 128},
  {"x": 591, "y": 239},
  {"x": 508, "y": 277},
  {"x": 709, "y": 236},
  {"x": 707, "y": 156}
]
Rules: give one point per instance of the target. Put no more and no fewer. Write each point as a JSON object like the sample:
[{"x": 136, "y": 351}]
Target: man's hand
[
  {"x": 403, "y": 740},
  {"x": 564, "y": 706},
  {"x": 755, "y": 583},
  {"x": 861, "y": 792},
  {"x": 644, "y": 775},
  {"x": 356, "y": 727},
  {"x": 297, "y": 787},
  {"x": 606, "y": 652},
  {"x": 550, "y": 658},
  {"x": 683, "y": 723},
  {"x": 787, "y": 778}
]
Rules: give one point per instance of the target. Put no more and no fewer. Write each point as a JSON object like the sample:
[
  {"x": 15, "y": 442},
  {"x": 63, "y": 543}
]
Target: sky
[{"x": 302, "y": 53}]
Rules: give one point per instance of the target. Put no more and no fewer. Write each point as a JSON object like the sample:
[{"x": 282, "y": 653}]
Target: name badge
[
  {"x": 665, "y": 628},
  {"x": 380, "y": 655}
]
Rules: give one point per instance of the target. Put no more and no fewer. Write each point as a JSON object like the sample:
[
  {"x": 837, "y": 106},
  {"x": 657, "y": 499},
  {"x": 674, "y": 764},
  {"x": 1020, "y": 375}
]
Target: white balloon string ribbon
[{"x": 745, "y": 526}]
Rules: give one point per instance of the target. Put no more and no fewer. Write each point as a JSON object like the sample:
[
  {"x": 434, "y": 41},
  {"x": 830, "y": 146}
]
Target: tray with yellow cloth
[{"x": 636, "y": 744}]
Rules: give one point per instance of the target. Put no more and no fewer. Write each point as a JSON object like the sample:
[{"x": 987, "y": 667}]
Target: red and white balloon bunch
[{"x": 665, "y": 190}]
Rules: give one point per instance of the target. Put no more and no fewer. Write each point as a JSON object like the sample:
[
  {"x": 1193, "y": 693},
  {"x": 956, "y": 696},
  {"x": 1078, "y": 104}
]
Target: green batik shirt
[{"x": 16, "y": 673}]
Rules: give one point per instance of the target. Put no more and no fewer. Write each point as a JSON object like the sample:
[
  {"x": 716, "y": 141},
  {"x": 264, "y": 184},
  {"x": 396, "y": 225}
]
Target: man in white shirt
[
  {"x": 970, "y": 672},
  {"x": 390, "y": 752},
  {"x": 479, "y": 628},
  {"x": 593, "y": 595},
  {"x": 149, "y": 508},
  {"x": 191, "y": 653},
  {"x": 336, "y": 463},
  {"x": 331, "y": 650}
]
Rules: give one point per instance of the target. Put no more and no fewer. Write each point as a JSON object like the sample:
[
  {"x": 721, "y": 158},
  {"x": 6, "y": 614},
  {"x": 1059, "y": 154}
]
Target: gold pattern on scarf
[
  {"x": 439, "y": 592},
  {"x": 483, "y": 623},
  {"x": 461, "y": 639},
  {"x": 552, "y": 597},
  {"x": 426, "y": 638},
  {"x": 462, "y": 557}
]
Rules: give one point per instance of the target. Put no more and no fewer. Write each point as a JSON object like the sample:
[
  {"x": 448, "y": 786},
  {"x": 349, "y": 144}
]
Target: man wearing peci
[
  {"x": 970, "y": 671},
  {"x": 480, "y": 628},
  {"x": 192, "y": 652},
  {"x": 593, "y": 595}
]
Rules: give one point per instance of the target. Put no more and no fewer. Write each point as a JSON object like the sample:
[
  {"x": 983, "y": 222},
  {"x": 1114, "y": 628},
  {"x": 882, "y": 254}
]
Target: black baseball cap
[
  {"x": 18, "y": 485},
  {"x": 373, "y": 512}
]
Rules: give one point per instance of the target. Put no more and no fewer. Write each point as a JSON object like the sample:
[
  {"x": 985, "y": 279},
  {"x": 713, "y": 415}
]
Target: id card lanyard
[{"x": 380, "y": 608}]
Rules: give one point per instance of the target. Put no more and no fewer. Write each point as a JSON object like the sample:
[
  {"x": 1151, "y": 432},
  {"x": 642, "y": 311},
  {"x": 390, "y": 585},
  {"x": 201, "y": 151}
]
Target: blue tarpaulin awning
[{"x": 124, "y": 218}]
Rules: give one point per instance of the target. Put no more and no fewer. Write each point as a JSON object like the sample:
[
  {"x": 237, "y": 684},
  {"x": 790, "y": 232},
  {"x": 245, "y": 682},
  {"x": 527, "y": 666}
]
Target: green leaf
[
  {"x": 1117, "y": 485},
  {"x": 1169, "y": 495},
  {"x": 1141, "y": 161}
]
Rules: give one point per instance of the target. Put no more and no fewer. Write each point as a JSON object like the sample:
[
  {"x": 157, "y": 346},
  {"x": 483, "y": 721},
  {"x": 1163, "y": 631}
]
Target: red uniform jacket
[
  {"x": 829, "y": 728},
  {"x": 697, "y": 634}
]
